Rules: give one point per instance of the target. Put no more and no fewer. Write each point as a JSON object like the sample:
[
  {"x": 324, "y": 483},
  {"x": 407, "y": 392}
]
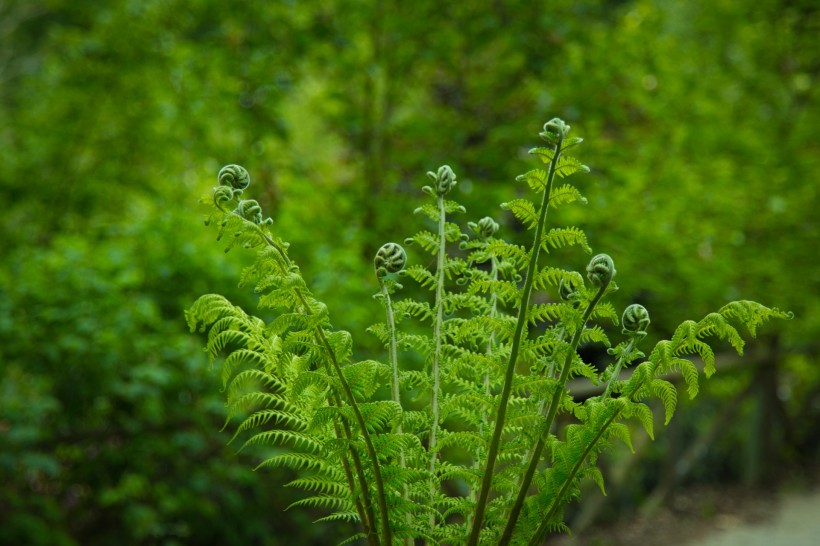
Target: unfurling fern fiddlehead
[{"x": 375, "y": 462}]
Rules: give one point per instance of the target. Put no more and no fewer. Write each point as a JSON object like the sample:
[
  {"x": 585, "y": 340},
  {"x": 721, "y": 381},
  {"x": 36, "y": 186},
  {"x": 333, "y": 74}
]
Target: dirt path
[
  {"x": 796, "y": 522},
  {"x": 718, "y": 516}
]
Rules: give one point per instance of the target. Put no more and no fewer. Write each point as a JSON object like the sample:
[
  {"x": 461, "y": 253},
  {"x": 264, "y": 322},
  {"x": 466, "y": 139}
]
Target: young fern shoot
[{"x": 484, "y": 466}]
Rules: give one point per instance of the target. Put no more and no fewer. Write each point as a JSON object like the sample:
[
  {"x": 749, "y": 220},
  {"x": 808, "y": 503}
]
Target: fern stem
[
  {"x": 486, "y": 377},
  {"x": 491, "y": 341},
  {"x": 535, "y": 540},
  {"x": 368, "y": 442},
  {"x": 351, "y": 400},
  {"x": 437, "y": 354},
  {"x": 547, "y": 423},
  {"x": 506, "y": 389},
  {"x": 365, "y": 510},
  {"x": 542, "y": 406},
  {"x": 396, "y": 390},
  {"x": 394, "y": 359},
  {"x": 551, "y": 370},
  {"x": 617, "y": 371},
  {"x": 558, "y": 498}
]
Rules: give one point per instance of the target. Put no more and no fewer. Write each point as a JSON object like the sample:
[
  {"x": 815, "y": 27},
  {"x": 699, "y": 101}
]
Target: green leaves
[
  {"x": 749, "y": 313},
  {"x": 566, "y": 166},
  {"x": 524, "y": 210},
  {"x": 482, "y": 388},
  {"x": 563, "y": 237}
]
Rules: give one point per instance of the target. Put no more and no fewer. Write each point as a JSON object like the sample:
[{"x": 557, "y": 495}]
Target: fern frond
[
  {"x": 605, "y": 310},
  {"x": 341, "y": 343},
  {"x": 365, "y": 377},
  {"x": 642, "y": 413},
  {"x": 463, "y": 439},
  {"x": 452, "y": 233},
  {"x": 422, "y": 276},
  {"x": 295, "y": 461},
  {"x": 432, "y": 211},
  {"x": 411, "y": 308},
  {"x": 524, "y": 210},
  {"x": 545, "y": 154},
  {"x": 208, "y": 309},
  {"x": 668, "y": 394},
  {"x": 331, "y": 503},
  {"x": 536, "y": 179},
  {"x": 752, "y": 314},
  {"x": 563, "y": 237},
  {"x": 381, "y": 415},
  {"x": 281, "y": 438},
  {"x": 509, "y": 252},
  {"x": 568, "y": 165},
  {"x": 349, "y": 516},
  {"x": 252, "y": 379},
  {"x": 321, "y": 485},
  {"x": 506, "y": 291},
  {"x": 242, "y": 357},
  {"x": 352, "y": 539},
  {"x": 274, "y": 417},
  {"x": 581, "y": 368},
  {"x": 621, "y": 432},
  {"x": 428, "y": 241},
  {"x": 544, "y": 312},
  {"x": 566, "y": 194},
  {"x": 595, "y": 334}
]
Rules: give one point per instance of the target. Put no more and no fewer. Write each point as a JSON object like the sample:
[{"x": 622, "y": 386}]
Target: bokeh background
[{"x": 702, "y": 131}]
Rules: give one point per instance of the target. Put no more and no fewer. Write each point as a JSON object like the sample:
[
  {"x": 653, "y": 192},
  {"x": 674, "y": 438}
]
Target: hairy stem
[
  {"x": 551, "y": 370},
  {"x": 556, "y": 503},
  {"x": 351, "y": 401},
  {"x": 368, "y": 442},
  {"x": 555, "y": 403},
  {"x": 394, "y": 359},
  {"x": 577, "y": 466},
  {"x": 437, "y": 353},
  {"x": 542, "y": 406},
  {"x": 395, "y": 387},
  {"x": 365, "y": 510},
  {"x": 506, "y": 389},
  {"x": 485, "y": 421},
  {"x": 617, "y": 371}
]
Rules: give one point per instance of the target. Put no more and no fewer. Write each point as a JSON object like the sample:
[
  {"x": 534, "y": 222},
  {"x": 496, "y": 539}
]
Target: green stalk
[
  {"x": 577, "y": 466},
  {"x": 351, "y": 400},
  {"x": 551, "y": 370},
  {"x": 617, "y": 371},
  {"x": 396, "y": 391},
  {"x": 490, "y": 345},
  {"x": 535, "y": 540},
  {"x": 437, "y": 353},
  {"x": 371, "y": 450},
  {"x": 542, "y": 407},
  {"x": 365, "y": 510},
  {"x": 394, "y": 360},
  {"x": 506, "y": 389},
  {"x": 547, "y": 424}
]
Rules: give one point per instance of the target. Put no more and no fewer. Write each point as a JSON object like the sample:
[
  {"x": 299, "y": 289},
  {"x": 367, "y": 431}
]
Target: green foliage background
[{"x": 701, "y": 120}]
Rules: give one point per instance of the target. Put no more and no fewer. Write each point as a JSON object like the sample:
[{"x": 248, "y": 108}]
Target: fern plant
[{"x": 471, "y": 454}]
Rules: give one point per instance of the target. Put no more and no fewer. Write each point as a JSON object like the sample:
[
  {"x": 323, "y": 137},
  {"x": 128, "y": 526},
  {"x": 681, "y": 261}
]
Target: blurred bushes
[
  {"x": 109, "y": 416},
  {"x": 701, "y": 120}
]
